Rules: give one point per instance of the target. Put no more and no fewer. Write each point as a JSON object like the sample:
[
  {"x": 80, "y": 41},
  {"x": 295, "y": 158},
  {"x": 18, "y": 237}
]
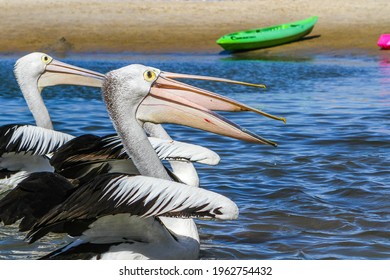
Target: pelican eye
[
  {"x": 46, "y": 59},
  {"x": 149, "y": 75}
]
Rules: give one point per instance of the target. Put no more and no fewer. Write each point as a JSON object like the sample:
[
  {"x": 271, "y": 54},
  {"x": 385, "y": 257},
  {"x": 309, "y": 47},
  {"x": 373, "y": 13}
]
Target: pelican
[
  {"x": 24, "y": 147},
  {"x": 145, "y": 216}
]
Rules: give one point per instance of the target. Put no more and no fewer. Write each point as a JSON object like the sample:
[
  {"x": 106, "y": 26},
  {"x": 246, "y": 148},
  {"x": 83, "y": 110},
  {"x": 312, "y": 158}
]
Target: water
[{"x": 324, "y": 193}]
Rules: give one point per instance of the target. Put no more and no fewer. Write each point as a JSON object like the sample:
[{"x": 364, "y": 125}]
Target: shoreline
[{"x": 184, "y": 26}]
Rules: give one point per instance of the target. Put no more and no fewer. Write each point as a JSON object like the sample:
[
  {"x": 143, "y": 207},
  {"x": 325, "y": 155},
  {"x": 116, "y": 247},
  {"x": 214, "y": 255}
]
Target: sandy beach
[{"x": 184, "y": 25}]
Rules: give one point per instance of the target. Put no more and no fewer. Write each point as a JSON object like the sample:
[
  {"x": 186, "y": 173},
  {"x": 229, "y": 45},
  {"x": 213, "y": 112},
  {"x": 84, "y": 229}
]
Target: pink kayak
[{"x": 384, "y": 41}]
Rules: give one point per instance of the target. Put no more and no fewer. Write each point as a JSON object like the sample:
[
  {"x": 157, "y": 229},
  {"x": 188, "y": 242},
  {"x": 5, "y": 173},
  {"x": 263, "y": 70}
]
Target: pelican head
[
  {"x": 152, "y": 95},
  {"x": 47, "y": 71},
  {"x": 38, "y": 70}
]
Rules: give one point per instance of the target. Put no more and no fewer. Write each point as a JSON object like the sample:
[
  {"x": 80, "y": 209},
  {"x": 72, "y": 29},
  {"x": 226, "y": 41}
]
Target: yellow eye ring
[
  {"x": 149, "y": 75},
  {"x": 46, "y": 59}
]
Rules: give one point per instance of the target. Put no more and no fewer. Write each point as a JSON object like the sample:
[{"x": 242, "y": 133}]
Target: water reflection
[
  {"x": 384, "y": 69},
  {"x": 264, "y": 55}
]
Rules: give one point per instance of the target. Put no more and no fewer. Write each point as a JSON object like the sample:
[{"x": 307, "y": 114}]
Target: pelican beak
[
  {"x": 207, "y": 99},
  {"x": 59, "y": 73},
  {"x": 170, "y": 101}
]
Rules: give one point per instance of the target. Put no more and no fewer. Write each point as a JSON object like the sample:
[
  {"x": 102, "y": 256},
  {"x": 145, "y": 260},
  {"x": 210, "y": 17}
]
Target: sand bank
[{"x": 61, "y": 26}]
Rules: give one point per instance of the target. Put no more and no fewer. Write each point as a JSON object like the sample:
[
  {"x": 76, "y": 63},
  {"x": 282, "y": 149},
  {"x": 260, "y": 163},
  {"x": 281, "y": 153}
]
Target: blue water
[{"x": 324, "y": 193}]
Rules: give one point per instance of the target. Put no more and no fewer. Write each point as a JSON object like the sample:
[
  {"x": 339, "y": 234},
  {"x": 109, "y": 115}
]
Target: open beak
[
  {"x": 170, "y": 101},
  {"x": 207, "y": 99},
  {"x": 59, "y": 73}
]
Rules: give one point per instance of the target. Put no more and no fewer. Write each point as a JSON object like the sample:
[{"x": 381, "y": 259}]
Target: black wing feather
[
  {"x": 87, "y": 148},
  {"x": 32, "y": 198}
]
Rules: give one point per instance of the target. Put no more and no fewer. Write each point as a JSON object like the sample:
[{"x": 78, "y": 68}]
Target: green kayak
[{"x": 268, "y": 36}]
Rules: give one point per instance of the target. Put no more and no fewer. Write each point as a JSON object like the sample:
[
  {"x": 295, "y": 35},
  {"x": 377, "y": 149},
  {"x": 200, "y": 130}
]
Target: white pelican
[
  {"x": 24, "y": 147},
  {"x": 145, "y": 216}
]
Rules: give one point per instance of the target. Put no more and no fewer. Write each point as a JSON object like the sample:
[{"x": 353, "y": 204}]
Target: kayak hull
[{"x": 268, "y": 36}]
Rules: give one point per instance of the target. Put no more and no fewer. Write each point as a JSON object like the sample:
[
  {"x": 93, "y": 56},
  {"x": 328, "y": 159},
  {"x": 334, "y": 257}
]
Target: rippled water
[{"x": 324, "y": 193}]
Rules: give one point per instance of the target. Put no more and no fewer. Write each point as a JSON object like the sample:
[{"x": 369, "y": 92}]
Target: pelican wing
[
  {"x": 32, "y": 198},
  {"x": 151, "y": 197},
  {"x": 142, "y": 196},
  {"x": 87, "y": 156},
  {"x": 87, "y": 148},
  {"x": 16, "y": 138}
]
